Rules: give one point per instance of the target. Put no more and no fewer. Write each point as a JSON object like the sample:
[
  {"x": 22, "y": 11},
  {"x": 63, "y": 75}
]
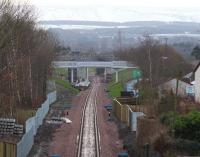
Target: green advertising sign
[{"x": 137, "y": 73}]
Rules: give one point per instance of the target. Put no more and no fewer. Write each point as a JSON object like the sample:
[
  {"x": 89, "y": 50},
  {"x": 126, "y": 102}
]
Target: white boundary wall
[{"x": 32, "y": 124}]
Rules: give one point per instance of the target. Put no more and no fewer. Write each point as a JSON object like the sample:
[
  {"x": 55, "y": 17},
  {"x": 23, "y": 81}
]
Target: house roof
[
  {"x": 188, "y": 75},
  {"x": 198, "y": 65}
]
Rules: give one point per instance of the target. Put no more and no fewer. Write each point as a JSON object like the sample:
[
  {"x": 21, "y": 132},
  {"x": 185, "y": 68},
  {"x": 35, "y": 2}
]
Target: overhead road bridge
[
  {"x": 74, "y": 65},
  {"x": 97, "y": 64}
]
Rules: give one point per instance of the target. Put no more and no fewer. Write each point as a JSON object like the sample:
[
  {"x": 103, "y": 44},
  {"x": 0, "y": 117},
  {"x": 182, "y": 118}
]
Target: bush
[
  {"x": 187, "y": 131},
  {"x": 167, "y": 118},
  {"x": 187, "y": 127}
]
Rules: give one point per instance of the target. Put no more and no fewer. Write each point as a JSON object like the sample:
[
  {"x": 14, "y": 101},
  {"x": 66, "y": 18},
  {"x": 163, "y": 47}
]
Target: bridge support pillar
[
  {"x": 72, "y": 75},
  {"x": 117, "y": 76},
  {"x": 105, "y": 73},
  {"x": 87, "y": 73}
]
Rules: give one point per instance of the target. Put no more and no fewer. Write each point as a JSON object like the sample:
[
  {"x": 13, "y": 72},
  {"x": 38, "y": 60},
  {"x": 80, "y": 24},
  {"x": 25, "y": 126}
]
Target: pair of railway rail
[{"x": 89, "y": 137}]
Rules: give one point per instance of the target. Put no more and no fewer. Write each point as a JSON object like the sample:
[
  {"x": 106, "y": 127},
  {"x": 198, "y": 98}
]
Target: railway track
[{"x": 89, "y": 137}]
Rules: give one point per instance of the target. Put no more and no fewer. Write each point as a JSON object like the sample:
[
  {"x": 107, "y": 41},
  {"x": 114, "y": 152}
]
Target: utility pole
[
  {"x": 148, "y": 46},
  {"x": 165, "y": 52},
  {"x": 120, "y": 40},
  {"x": 179, "y": 75},
  {"x": 166, "y": 40},
  {"x": 164, "y": 56},
  {"x": 150, "y": 65}
]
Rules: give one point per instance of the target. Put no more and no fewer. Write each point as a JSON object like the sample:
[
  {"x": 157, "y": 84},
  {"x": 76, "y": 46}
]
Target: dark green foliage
[
  {"x": 187, "y": 131},
  {"x": 167, "y": 118},
  {"x": 196, "y": 52},
  {"x": 188, "y": 127}
]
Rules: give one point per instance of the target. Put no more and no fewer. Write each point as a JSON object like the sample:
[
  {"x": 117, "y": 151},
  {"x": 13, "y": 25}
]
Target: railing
[{"x": 74, "y": 64}]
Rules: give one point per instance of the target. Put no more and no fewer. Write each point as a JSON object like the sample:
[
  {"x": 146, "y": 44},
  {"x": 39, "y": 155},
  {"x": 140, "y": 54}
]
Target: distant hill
[
  {"x": 105, "y": 36},
  {"x": 130, "y": 23}
]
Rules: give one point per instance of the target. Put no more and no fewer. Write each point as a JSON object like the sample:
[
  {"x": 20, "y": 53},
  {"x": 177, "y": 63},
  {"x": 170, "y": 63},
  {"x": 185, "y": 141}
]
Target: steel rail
[
  {"x": 97, "y": 134},
  {"x": 96, "y": 129}
]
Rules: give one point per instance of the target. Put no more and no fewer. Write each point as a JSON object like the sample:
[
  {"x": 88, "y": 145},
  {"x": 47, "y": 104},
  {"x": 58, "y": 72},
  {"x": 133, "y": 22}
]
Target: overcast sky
[
  {"x": 144, "y": 3},
  {"x": 117, "y": 10}
]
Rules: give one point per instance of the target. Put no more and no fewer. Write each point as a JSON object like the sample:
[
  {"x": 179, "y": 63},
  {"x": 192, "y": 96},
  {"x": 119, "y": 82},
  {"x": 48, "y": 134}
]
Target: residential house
[
  {"x": 185, "y": 88},
  {"x": 197, "y": 83}
]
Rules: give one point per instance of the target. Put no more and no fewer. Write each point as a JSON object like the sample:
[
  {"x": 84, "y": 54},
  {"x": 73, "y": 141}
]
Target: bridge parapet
[{"x": 74, "y": 64}]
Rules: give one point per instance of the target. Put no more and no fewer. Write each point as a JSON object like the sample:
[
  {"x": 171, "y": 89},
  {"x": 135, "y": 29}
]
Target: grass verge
[
  {"x": 115, "y": 89},
  {"x": 66, "y": 84}
]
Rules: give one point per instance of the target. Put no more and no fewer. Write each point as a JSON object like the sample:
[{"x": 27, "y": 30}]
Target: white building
[
  {"x": 170, "y": 86},
  {"x": 197, "y": 83}
]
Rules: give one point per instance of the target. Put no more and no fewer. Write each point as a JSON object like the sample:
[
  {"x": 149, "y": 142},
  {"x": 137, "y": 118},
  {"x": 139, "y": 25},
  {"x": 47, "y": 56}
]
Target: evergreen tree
[{"x": 196, "y": 52}]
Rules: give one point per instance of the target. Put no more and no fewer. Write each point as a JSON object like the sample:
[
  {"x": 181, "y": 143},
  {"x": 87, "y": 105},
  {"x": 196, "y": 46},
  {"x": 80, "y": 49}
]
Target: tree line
[
  {"x": 26, "y": 52},
  {"x": 159, "y": 62}
]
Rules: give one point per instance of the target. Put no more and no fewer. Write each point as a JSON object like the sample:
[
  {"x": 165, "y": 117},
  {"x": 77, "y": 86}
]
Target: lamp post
[
  {"x": 150, "y": 65},
  {"x": 176, "y": 101}
]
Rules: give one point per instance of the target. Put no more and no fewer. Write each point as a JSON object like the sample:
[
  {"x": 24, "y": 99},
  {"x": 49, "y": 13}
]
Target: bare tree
[
  {"x": 26, "y": 53},
  {"x": 149, "y": 57}
]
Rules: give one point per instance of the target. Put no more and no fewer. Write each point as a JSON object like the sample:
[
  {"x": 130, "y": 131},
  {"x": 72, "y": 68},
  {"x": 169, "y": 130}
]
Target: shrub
[
  {"x": 167, "y": 118},
  {"x": 187, "y": 127}
]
